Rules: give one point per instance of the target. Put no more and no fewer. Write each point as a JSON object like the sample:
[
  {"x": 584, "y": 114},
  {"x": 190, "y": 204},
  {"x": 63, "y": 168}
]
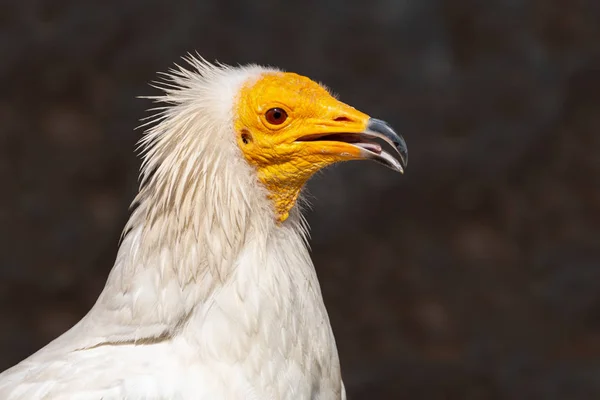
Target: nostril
[
  {"x": 246, "y": 137},
  {"x": 342, "y": 119}
]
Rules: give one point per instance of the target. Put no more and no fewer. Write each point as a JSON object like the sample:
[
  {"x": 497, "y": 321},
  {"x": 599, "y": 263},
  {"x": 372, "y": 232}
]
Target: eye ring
[{"x": 276, "y": 116}]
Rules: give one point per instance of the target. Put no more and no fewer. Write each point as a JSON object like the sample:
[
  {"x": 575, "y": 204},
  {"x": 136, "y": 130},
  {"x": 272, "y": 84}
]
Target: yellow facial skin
[{"x": 284, "y": 164}]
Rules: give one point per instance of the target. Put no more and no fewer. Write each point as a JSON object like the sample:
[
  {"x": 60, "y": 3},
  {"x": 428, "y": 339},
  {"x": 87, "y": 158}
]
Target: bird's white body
[
  {"x": 242, "y": 343},
  {"x": 209, "y": 297}
]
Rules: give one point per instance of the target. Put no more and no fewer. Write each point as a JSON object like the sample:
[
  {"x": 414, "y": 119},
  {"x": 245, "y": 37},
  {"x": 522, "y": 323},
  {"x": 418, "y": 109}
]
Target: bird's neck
[
  {"x": 259, "y": 306},
  {"x": 171, "y": 267},
  {"x": 272, "y": 300}
]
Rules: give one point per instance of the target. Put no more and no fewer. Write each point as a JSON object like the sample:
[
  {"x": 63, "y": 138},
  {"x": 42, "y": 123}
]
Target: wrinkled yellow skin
[{"x": 284, "y": 165}]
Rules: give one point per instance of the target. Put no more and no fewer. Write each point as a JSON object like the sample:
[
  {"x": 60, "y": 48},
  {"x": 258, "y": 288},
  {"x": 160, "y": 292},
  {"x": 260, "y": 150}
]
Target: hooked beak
[
  {"x": 357, "y": 142},
  {"x": 377, "y": 128}
]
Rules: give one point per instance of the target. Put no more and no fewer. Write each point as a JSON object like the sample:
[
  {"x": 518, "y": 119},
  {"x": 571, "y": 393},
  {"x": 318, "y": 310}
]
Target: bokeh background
[{"x": 476, "y": 275}]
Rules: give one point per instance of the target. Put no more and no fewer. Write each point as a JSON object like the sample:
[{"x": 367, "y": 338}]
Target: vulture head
[{"x": 237, "y": 134}]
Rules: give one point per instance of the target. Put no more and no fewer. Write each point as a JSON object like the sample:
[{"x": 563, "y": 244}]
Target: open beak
[
  {"x": 364, "y": 144},
  {"x": 377, "y": 128}
]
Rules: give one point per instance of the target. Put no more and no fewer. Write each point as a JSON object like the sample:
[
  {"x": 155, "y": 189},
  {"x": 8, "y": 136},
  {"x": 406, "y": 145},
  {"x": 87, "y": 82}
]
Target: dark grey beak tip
[{"x": 383, "y": 128}]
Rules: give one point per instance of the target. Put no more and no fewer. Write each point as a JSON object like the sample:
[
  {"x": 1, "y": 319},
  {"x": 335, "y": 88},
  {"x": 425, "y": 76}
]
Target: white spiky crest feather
[{"x": 192, "y": 144}]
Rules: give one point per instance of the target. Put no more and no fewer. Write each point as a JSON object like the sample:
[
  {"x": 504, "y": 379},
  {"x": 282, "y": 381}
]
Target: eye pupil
[{"x": 276, "y": 116}]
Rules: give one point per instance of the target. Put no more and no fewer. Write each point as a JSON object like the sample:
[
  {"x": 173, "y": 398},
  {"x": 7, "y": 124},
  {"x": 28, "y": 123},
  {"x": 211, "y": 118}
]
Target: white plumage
[
  {"x": 210, "y": 296},
  {"x": 198, "y": 304}
]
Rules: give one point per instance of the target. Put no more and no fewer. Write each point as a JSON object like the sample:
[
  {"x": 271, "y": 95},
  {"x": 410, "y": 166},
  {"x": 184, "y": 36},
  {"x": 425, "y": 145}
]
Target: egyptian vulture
[{"x": 213, "y": 294}]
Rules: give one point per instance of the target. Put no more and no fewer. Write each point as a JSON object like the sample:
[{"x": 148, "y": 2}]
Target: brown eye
[{"x": 276, "y": 116}]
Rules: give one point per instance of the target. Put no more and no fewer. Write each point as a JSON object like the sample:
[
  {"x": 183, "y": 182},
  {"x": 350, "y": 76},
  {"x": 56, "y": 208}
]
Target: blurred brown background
[{"x": 474, "y": 276}]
